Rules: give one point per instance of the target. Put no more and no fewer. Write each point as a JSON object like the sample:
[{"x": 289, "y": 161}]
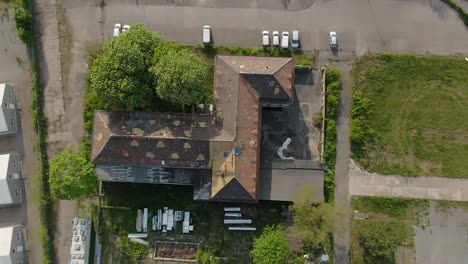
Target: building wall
[
  {"x": 199, "y": 178},
  {"x": 9, "y": 109},
  {"x": 18, "y": 246}
]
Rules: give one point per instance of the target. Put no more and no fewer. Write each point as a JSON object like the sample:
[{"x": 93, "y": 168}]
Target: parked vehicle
[
  {"x": 285, "y": 40},
  {"x": 295, "y": 39},
  {"x": 265, "y": 38},
  {"x": 276, "y": 38},
  {"x": 206, "y": 34},
  {"x": 125, "y": 28},
  {"x": 117, "y": 29},
  {"x": 333, "y": 40}
]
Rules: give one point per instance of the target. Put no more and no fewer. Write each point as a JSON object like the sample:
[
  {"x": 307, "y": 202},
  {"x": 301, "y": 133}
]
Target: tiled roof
[{"x": 228, "y": 142}]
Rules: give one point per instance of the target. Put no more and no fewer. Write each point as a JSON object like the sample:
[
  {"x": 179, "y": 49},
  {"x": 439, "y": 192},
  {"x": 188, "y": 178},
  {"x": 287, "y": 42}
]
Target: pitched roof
[
  {"x": 5, "y": 195},
  {"x": 228, "y": 142},
  {"x": 6, "y": 233},
  {"x": 242, "y": 84},
  {"x": 3, "y": 123}
]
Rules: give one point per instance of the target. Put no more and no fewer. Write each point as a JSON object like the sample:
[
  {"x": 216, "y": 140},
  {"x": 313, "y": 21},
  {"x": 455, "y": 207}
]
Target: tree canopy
[
  {"x": 120, "y": 74},
  {"x": 271, "y": 247},
  {"x": 314, "y": 224},
  {"x": 182, "y": 76},
  {"x": 72, "y": 175}
]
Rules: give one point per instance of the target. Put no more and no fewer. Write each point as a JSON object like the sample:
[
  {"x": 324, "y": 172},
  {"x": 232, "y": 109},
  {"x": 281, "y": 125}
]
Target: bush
[
  {"x": 380, "y": 239},
  {"x": 133, "y": 250},
  {"x": 317, "y": 120},
  {"x": 332, "y": 100},
  {"x": 23, "y": 20}
]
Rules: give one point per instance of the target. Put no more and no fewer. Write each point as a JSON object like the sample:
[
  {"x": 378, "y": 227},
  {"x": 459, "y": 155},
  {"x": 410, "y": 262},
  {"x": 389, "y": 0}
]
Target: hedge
[{"x": 332, "y": 100}]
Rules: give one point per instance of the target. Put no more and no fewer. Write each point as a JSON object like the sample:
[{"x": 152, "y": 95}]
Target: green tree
[
  {"x": 72, "y": 175},
  {"x": 182, "y": 76},
  {"x": 120, "y": 74},
  {"x": 271, "y": 247}
]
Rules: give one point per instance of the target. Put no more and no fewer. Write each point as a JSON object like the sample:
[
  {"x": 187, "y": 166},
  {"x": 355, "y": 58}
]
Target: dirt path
[
  {"x": 59, "y": 131},
  {"x": 434, "y": 188}
]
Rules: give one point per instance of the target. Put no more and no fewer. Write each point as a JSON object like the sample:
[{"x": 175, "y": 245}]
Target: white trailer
[
  {"x": 232, "y": 209},
  {"x": 237, "y": 221},
  {"x": 242, "y": 228},
  {"x": 145, "y": 220},
  {"x": 138, "y": 221}
]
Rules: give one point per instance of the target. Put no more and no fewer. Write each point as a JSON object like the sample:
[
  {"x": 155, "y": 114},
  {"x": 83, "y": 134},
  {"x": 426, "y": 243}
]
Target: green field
[{"x": 410, "y": 115}]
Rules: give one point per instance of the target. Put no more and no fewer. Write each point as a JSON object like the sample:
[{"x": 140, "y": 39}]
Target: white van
[
  {"x": 206, "y": 34},
  {"x": 285, "y": 40},
  {"x": 295, "y": 39},
  {"x": 265, "y": 38},
  {"x": 275, "y": 38}
]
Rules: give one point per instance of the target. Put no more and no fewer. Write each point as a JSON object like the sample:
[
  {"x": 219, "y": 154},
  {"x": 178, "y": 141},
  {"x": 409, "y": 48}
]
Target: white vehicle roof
[{"x": 295, "y": 35}]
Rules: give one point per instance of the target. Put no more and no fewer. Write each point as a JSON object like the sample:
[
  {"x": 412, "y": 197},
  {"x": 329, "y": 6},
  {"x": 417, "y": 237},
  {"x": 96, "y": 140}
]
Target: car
[
  {"x": 117, "y": 29},
  {"x": 275, "y": 38},
  {"x": 333, "y": 40},
  {"x": 265, "y": 38},
  {"x": 295, "y": 39},
  {"x": 125, "y": 28},
  {"x": 206, "y": 34},
  {"x": 285, "y": 40}
]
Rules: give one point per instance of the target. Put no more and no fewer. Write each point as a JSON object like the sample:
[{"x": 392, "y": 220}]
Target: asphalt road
[{"x": 416, "y": 26}]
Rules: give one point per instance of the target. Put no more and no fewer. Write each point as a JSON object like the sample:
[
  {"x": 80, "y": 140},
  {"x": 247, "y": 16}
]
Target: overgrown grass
[
  {"x": 301, "y": 59},
  {"x": 29, "y": 35},
  {"x": 462, "y": 13},
  {"x": 332, "y": 100},
  {"x": 394, "y": 207},
  {"x": 4, "y": 4},
  {"x": 207, "y": 218},
  {"x": 409, "y": 115},
  {"x": 390, "y": 225}
]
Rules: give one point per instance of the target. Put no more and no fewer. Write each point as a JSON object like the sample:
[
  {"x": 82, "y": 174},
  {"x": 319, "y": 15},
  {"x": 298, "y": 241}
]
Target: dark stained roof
[
  {"x": 242, "y": 85},
  {"x": 233, "y": 191},
  {"x": 158, "y": 139}
]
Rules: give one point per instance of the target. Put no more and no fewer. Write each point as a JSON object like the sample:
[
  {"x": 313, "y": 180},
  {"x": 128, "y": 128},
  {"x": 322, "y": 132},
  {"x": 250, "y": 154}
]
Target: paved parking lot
[
  {"x": 445, "y": 240},
  {"x": 417, "y": 26},
  {"x": 14, "y": 69}
]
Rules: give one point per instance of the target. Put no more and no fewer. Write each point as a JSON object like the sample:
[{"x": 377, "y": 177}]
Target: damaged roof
[{"x": 228, "y": 142}]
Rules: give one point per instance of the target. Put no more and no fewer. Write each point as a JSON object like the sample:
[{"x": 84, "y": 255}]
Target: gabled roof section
[
  {"x": 233, "y": 191},
  {"x": 157, "y": 139},
  {"x": 5, "y": 195},
  {"x": 242, "y": 84},
  {"x": 3, "y": 123},
  {"x": 6, "y": 233}
]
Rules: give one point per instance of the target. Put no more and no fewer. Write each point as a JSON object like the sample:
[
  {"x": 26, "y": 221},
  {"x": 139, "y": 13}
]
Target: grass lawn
[
  {"x": 207, "y": 218},
  {"x": 410, "y": 115},
  {"x": 389, "y": 226}
]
